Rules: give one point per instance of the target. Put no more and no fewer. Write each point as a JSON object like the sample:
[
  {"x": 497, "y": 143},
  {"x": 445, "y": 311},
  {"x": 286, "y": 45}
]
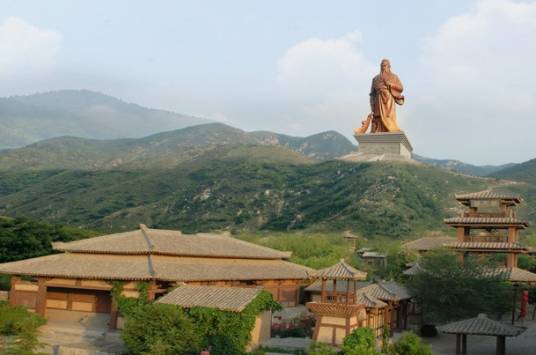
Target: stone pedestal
[{"x": 383, "y": 146}]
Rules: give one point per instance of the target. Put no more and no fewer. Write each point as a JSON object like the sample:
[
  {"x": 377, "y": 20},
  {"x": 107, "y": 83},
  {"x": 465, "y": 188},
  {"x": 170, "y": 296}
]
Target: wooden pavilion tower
[
  {"x": 489, "y": 224},
  {"x": 337, "y": 313}
]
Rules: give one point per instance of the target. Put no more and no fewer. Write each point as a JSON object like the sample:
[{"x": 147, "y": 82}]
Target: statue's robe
[{"x": 383, "y": 100}]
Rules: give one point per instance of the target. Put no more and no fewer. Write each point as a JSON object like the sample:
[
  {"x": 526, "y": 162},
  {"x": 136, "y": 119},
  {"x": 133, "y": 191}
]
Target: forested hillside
[{"x": 247, "y": 187}]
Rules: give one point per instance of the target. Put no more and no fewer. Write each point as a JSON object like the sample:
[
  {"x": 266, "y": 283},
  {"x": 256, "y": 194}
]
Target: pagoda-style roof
[
  {"x": 484, "y": 222},
  {"x": 219, "y": 263},
  {"x": 166, "y": 268},
  {"x": 369, "y": 301},
  {"x": 481, "y": 325},
  {"x": 486, "y": 246},
  {"x": 386, "y": 291},
  {"x": 412, "y": 270},
  {"x": 489, "y": 196},
  {"x": 146, "y": 240},
  {"x": 340, "y": 271},
  {"x": 234, "y": 299},
  {"x": 427, "y": 243}
]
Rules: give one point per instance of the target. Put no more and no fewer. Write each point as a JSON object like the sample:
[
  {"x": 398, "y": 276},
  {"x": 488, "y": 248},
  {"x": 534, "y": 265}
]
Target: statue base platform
[{"x": 385, "y": 146}]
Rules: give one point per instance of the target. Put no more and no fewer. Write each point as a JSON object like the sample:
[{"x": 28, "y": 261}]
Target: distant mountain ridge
[
  {"x": 167, "y": 149},
  {"x": 82, "y": 113},
  {"x": 461, "y": 167}
]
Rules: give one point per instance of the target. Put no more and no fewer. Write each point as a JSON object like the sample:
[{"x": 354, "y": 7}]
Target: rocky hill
[{"x": 82, "y": 113}]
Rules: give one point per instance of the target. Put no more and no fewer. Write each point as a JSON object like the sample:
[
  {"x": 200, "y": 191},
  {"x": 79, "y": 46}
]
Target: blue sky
[{"x": 295, "y": 67}]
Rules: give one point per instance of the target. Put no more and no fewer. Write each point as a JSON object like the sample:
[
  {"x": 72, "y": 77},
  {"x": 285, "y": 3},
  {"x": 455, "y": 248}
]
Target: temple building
[
  {"x": 489, "y": 225},
  {"x": 81, "y": 275}
]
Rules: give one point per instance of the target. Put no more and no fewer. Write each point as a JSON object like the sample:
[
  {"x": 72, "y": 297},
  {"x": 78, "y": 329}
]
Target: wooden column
[
  {"x": 13, "y": 291},
  {"x": 41, "y": 297},
  {"x": 151, "y": 291},
  {"x": 464, "y": 344},
  {"x": 323, "y": 291},
  {"x": 334, "y": 293},
  {"x": 512, "y": 235},
  {"x": 458, "y": 344},
  {"x": 460, "y": 232},
  {"x": 511, "y": 260},
  {"x": 348, "y": 291},
  {"x": 501, "y": 345}
]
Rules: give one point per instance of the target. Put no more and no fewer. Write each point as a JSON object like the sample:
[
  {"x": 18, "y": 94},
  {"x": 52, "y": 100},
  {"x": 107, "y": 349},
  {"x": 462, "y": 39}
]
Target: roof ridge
[{"x": 145, "y": 232}]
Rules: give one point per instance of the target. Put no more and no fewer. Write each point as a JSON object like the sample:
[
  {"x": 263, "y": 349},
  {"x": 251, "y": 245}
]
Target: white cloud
[
  {"x": 26, "y": 50},
  {"x": 475, "y": 98},
  {"x": 325, "y": 80}
]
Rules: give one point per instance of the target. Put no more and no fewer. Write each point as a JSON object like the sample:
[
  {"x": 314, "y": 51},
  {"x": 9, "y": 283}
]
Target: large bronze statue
[{"x": 386, "y": 90}]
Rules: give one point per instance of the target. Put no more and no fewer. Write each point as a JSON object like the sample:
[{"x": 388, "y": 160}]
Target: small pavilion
[
  {"x": 337, "y": 312},
  {"x": 481, "y": 325}
]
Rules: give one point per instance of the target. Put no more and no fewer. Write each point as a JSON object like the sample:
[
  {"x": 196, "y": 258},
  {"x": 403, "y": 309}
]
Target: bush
[
  {"x": 321, "y": 349},
  {"x": 360, "y": 341},
  {"x": 168, "y": 329},
  {"x": 160, "y": 329},
  {"x": 410, "y": 344},
  {"x": 18, "y": 322}
]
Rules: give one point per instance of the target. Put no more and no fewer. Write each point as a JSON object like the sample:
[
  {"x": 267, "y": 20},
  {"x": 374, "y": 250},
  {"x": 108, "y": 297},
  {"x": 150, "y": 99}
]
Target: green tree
[
  {"x": 410, "y": 344},
  {"x": 447, "y": 289},
  {"x": 360, "y": 341}
]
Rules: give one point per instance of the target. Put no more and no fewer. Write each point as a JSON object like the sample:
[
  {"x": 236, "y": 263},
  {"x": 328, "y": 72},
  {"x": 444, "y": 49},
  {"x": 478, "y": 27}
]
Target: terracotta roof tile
[
  {"x": 488, "y": 195},
  {"x": 386, "y": 291},
  {"x": 486, "y": 245},
  {"x": 169, "y": 242},
  {"x": 137, "y": 267},
  {"x": 233, "y": 299},
  {"x": 485, "y": 221}
]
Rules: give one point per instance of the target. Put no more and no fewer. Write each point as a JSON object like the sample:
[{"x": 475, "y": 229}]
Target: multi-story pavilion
[
  {"x": 488, "y": 225},
  {"x": 80, "y": 277}
]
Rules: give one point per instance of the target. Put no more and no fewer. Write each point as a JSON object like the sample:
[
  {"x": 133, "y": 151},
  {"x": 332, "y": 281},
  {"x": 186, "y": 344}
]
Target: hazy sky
[{"x": 295, "y": 67}]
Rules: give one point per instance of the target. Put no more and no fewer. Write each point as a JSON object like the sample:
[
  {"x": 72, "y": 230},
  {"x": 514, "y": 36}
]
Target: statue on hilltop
[{"x": 385, "y": 91}]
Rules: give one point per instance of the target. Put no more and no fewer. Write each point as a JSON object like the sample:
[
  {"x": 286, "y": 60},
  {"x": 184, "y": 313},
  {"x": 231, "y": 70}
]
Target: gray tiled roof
[
  {"x": 427, "y": 243},
  {"x": 169, "y": 242},
  {"x": 341, "y": 271},
  {"x": 386, "y": 291},
  {"x": 233, "y": 299},
  {"x": 481, "y": 325}
]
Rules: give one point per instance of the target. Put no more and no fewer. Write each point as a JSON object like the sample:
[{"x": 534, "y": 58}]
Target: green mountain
[
  {"x": 520, "y": 172},
  {"x": 83, "y": 113},
  {"x": 461, "y": 167},
  {"x": 163, "y": 150},
  {"x": 243, "y": 187},
  {"x": 322, "y": 146}
]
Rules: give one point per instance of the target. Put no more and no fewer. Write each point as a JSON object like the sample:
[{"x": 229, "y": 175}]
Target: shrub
[
  {"x": 410, "y": 344},
  {"x": 360, "y": 341},
  {"x": 160, "y": 329},
  {"x": 18, "y": 322},
  {"x": 321, "y": 349},
  {"x": 168, "y": 329}
]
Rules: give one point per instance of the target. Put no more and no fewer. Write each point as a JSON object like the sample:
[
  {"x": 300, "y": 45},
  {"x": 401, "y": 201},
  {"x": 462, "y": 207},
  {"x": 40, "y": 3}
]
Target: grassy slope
[{"x": 252, "y": 188}]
